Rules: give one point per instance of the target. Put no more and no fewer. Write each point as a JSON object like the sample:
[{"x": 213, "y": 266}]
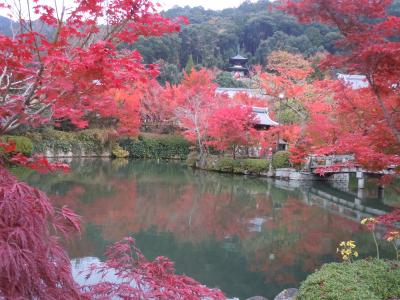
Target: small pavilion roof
[
  {"x": 238, "y": 68},
  {"x": 238, "y": 57},
  {"x": 263, "y": 118}
]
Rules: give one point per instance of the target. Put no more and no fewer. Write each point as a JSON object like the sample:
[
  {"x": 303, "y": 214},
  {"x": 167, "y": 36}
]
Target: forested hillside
[{"x": 212, "y": 37}]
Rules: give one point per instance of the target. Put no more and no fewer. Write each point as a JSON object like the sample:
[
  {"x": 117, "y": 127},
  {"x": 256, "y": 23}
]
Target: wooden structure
[
  {"x": 238, "y": 66},
  {"x": 342, "y": 164}
]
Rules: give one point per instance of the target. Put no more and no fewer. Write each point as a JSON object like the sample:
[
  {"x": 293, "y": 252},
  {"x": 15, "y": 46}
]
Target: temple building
[
  {"x": 264, "y": 121},
  {"x": 354, "y": 81},
  {"x": 238, "y": 66}
]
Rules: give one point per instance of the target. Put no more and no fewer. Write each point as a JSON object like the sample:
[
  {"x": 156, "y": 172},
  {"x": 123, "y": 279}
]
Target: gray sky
[
  {"x": 166, "y": 4},
  {"x": 211, "y": 4}
]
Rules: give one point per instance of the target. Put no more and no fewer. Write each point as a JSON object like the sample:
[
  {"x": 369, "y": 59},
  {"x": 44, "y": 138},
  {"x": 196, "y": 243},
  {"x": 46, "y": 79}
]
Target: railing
[{"x": 315, "y": 162}]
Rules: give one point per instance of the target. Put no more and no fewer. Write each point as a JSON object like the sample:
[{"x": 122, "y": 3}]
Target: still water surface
[{"x": 247, "y": 236}]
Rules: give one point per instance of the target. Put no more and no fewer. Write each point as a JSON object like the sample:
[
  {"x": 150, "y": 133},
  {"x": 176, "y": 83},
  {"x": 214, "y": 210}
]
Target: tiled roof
[
  {"x": 263, "y": 117},
  {"x": 231, "y": 92},
  {"x": 238, "y": 57},
  {"x": 355, "y": 81}
]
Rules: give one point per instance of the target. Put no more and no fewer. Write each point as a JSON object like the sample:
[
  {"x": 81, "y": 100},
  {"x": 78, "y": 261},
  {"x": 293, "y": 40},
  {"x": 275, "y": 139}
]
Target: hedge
[
  {"x": 236, "y": 166},
  {"x": 363, "y": 279},
  {"x": 151, "y": 146},
  {"x": 281, "y": 159},
  {"x": 94, "y": 141}
]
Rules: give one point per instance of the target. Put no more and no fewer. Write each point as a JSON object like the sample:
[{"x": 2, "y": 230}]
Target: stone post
[
  {"x": 381, "y": 192},
  {"x": 360, "y": 179},
  {"x": 360, "y": 193}
]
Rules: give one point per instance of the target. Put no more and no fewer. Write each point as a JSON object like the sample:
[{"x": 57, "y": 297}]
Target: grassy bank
[{"x": 223, "y": 164}]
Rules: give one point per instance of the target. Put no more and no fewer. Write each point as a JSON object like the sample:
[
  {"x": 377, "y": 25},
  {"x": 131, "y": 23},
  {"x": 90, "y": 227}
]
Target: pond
[{"x": 246, "y": 236}]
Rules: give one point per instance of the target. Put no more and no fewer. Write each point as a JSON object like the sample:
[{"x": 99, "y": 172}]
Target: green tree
[
  {"x": 225, "y": 79},
  {"x": 169, "y": 73},
  {"x": 189, "y": 65}
]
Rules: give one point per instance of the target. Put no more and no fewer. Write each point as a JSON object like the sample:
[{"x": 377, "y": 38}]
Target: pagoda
[{"x": 238, "y": 66}]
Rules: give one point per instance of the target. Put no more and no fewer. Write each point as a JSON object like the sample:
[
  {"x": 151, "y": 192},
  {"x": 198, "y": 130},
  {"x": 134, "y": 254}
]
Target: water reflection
[{"x": 246, "y": 236}]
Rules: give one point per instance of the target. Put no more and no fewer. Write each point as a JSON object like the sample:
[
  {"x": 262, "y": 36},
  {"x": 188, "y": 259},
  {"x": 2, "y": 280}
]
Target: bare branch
[{"x": 3, "y": 74}]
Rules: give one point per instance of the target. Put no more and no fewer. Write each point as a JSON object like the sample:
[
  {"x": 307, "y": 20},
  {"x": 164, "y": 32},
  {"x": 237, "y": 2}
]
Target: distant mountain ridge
[
  {"x": 5, "y": 25},
  {"x": 214, "y": 36}
]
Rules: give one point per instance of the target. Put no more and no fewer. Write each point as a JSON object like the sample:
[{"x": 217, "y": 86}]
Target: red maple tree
[
  {"x": 196, "y": 101},
  {"x": 365, "y": 121},
  {"x": 232, "y": 127},
  {"x": 66, "y": 72},
  {"x": 32, "y": 262},
  {"x": 157, "y": 105}
]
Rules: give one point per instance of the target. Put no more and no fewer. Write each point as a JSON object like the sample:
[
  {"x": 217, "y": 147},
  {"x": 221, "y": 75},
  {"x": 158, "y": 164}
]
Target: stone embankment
[{"x": 288, "y": 294}]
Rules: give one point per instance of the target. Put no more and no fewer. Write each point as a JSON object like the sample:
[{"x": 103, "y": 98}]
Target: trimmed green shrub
[
  {"x": 237, "y": 166},
  {"x": 255, "y": 166},
  {"x": 363, "y": 279},
  {"x": 119, "y": 152},
  {"x": 281, "y": 159},
  {"x": 151, "y": 146},
  {"x": 228, "y": 165},
  {"x": 23, "y": 144}
]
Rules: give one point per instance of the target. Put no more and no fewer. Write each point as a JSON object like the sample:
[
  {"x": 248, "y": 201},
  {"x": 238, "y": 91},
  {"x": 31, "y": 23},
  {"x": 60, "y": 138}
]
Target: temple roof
[
  {"x": 262, "y": 113},
  {"x": 238, "y": 68},
  {"x": 231, "y": 92},
  {"x": 354, "y": 81},
  {"x": 263, "y": 118},
  {"x": 238, "y": 57}
]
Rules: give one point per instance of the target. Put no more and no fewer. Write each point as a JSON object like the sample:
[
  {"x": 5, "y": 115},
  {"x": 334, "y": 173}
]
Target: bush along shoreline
[
  {"x": 243, "y": 166},
  {"x": 155, "y": 146},
  {"x": 86, "y": 143},
  {"x": 100, "y": 143}
]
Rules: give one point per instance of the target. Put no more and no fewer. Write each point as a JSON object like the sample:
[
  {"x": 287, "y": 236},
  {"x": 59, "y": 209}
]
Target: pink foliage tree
[
  {"x": 232, "y": 127},
  {"x": 33, "y": 263},
  {"x": 143, "y": 279},
  {"x": 196, "y": 101}
]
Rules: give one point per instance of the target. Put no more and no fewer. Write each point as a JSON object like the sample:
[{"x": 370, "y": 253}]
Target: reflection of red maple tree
[
  {"x": 304, "y": 237},
  {"x": 298, "y": 236}
]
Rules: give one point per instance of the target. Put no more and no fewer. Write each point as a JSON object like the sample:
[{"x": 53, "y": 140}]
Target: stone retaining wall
[{"x": 71, "y": 154}]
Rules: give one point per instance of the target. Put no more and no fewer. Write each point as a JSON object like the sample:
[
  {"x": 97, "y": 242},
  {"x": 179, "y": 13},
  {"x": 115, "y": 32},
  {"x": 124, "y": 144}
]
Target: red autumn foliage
[
  {"x": 64, "y": 74},
  {"x": 246, "y": 99},
  {"x": 364, "y": 121},
  {"x": 127, "y": 106},
  {"x": 158, "y": 104},
  {"x": 390, "y": 221},
  {"x": 75, "y": 70},
  {"x": 141, "y": 279},
  {"x": 231, "y": 127},
  {"x": 32, "y": 262},
  {"x": 288, "y": 91},
  {"x": 196, "y": 101},
  {"x": 9, "y": 155}
]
